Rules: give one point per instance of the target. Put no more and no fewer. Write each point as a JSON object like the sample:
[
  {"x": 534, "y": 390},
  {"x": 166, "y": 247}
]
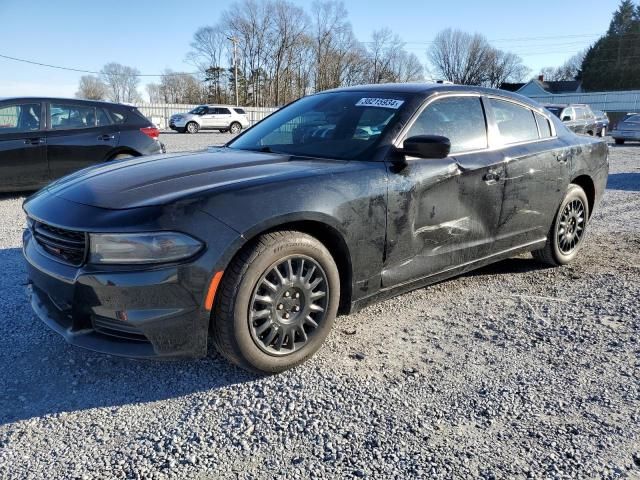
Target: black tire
[
  {"x": 555, "y": 252},
  {"x": 619, "y": 141},
  {"x": 192, "y": 127},
  {"x": 234, "y": 326},
  {"x": 235, "y": 128}
]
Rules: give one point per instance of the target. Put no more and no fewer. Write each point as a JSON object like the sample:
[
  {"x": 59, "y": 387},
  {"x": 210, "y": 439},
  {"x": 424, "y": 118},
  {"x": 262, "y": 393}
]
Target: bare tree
[
  {"x": 389, "y": 61},
  {"x": 504, "y": 67},
  {"x": 179, "y": 87},
  {"x": 122, "y": 82},
  {"x": 91, "y": 88},
  {"x": 153, "y": 91},
  {"x": 460, "y": 57}
]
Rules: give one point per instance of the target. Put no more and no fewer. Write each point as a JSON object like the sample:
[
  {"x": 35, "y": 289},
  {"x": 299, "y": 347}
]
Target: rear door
[
  {"x": 536, "y": 173},
  {"x": 223, "y": 117},
  {"x": 23, "y": 154},
  {"x": 78, "y": 135}
]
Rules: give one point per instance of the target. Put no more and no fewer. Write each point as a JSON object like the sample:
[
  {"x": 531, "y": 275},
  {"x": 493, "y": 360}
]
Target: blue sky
[{"x": 154, "y": 35}]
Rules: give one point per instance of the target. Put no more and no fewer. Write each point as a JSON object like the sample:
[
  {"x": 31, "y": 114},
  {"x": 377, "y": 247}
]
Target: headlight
[{"x": 152, "y": 247}]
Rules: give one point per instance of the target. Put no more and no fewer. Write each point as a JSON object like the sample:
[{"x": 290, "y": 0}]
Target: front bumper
[
  {"x": 177, "y": 124},
  {"x": 151, "y": 313}
]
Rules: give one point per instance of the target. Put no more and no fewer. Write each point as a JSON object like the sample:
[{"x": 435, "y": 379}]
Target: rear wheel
[
  {"x": 277, "y": 302},
  {"x": 235, "y": 128},
  {"x": 567, "y": 232},
  {"x": 619, "y": 141},
  {"x": 193, "y": 127}
]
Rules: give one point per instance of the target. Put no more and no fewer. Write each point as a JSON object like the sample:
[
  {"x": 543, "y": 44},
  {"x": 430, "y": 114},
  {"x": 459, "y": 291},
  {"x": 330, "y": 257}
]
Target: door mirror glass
[{"x": 427, "y": 146}]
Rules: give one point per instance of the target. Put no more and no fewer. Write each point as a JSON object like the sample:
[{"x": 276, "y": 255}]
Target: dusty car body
[{"x": 373, "y": 215}]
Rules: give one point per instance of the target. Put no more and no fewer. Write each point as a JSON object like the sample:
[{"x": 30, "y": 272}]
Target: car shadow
[
  {"x": 43, "y": 375},
  {"x": 629, "y": 182}
]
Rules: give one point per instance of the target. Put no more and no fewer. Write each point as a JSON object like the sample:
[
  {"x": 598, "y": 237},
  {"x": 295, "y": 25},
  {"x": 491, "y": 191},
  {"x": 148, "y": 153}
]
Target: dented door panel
[{"x": 442, "y": 213}]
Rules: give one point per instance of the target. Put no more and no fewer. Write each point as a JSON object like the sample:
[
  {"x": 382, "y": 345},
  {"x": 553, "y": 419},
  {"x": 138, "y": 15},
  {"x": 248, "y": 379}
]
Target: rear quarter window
[
  {"x": 543, "y": 125},
  {"x": 240, "y": 111}
]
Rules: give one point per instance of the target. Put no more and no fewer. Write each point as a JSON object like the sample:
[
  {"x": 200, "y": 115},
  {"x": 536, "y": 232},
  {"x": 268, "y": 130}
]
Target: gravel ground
[
  {"x": 183, "y": 142},
  {"x": 513, "y": 371}
]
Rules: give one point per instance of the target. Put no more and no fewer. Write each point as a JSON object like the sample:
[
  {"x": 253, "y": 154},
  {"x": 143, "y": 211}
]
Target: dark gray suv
[{"x": 42, "y": 139}]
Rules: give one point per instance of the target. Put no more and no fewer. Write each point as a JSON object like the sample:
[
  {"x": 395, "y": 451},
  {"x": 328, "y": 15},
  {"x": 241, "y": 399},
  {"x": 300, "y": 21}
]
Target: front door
[
  {"x": 23, "y": 151},
  {"x": 79, "y": 135},
  {"x": 443, "y": 213}
]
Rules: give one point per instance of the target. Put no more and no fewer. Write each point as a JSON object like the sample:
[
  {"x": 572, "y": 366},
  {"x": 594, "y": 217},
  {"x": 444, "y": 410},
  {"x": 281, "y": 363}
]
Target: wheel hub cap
[{"x": 288, "y": 304}]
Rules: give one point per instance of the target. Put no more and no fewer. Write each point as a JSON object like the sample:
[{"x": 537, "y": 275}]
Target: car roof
[{"x": 428, "y": 89}]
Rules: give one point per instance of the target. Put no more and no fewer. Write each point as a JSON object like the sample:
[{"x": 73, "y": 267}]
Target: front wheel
[
  {"x": 193, "y": 127},
  {"x": 235, "y": 128},
  {"x": 568, "y": 230},
  {"x": 277, "y": 302}
]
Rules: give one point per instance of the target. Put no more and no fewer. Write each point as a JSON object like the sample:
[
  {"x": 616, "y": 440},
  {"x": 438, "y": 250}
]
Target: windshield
[
  {"x": 339, "y": 125},
  {"x": 199, "y": 110},
  {"x": 633, "y": 118},
  {"x": 555, "y": 110}
]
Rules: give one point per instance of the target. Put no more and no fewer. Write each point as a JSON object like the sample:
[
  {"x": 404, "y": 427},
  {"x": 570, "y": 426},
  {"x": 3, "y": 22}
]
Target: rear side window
[
  {"x": 543, "y": 125},
  {"x": 20, "y": 118},
  {"x": 102, "y": 118},
  {"x": 240, "y": 111},
  {"x": 223, "y": 111},
  {"x": 515, "y": 123},
  {"x": 460, "y": 119},
  {"x": 117, "y": 117},
  {"x": 66, "y": 116}
]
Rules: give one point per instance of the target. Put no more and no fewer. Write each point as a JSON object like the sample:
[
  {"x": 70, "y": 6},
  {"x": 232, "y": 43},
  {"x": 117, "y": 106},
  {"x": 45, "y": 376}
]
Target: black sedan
[
  {"x": 42, "y": 139},
  {"x": 338, "y": 200}
]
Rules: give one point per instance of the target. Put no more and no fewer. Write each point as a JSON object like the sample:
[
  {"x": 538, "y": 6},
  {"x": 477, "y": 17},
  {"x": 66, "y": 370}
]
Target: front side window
[
  {"x": 20, "y": 118},
  {"x": 460, "y": 119},
  {"x": 64, "y": 116},
  {"x": 340, "y": 125},
  {"x": 515, "y": 123},
  {"x": 201, "y": 110}
]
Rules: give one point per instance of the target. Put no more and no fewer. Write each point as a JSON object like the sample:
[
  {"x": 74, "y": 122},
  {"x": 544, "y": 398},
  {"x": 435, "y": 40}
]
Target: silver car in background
[
  {"x": 628, "y": 129},
  {"x": 212, "y": 117}
]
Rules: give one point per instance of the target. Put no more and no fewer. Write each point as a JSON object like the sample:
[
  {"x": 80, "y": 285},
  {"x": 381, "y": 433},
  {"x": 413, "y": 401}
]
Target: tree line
[{"x": 283, "y": 51}]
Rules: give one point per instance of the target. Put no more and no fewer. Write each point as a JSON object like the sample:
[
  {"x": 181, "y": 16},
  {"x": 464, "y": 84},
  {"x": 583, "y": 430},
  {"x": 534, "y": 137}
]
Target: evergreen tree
[{"x": 613, "y": 62}]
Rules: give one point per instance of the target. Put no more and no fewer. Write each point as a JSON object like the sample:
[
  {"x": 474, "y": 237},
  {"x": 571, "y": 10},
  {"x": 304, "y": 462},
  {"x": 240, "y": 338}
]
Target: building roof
[{"x": 565, "y": 86}]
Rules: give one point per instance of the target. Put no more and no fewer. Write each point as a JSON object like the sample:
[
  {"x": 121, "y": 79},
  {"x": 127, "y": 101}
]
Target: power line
[{"x": 80, "y": 70}]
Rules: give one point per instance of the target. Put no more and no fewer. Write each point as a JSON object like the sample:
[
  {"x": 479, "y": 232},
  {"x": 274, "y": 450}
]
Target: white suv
[{"x": 214, "y": 117}]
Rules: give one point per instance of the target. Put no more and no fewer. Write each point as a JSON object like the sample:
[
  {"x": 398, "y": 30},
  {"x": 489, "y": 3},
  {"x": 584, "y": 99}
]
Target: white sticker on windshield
[{"x": 380, "y": 102}]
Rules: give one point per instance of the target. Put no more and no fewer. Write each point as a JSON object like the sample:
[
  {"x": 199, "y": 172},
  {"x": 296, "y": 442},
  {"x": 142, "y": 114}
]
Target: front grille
[
  {"x": 69, "y": 246},
  {"x": 117, "y": 328}
]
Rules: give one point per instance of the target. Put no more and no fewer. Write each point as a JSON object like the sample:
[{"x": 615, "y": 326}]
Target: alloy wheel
[
  {"x": 288, "y": 305},
  {"x": 570, "y": 229}
]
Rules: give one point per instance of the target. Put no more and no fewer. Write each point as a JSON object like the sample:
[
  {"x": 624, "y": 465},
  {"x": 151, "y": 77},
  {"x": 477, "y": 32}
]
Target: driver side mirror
[
  {"x": 427, "y": 146},
  {"x": 566, "y": 118}
]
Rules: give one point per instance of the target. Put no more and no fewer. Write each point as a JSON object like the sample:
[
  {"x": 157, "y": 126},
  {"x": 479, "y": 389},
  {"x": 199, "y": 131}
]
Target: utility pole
[{"x": 234, "y": 40}]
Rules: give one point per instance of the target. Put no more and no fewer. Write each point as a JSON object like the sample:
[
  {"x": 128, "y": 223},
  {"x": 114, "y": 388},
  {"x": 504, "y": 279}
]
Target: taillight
[{"x": 152, "y": 132}]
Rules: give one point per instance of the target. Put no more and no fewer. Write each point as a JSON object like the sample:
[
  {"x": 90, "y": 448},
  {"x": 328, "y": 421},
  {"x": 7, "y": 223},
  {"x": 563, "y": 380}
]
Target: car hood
[{"x": 161, "y": 179}]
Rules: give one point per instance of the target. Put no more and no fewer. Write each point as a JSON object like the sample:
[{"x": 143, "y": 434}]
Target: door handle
[
  {"x": 491, "y": 176},
  {"x": 106, "y": 138},
  {"x": 35, "y": 141}
]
